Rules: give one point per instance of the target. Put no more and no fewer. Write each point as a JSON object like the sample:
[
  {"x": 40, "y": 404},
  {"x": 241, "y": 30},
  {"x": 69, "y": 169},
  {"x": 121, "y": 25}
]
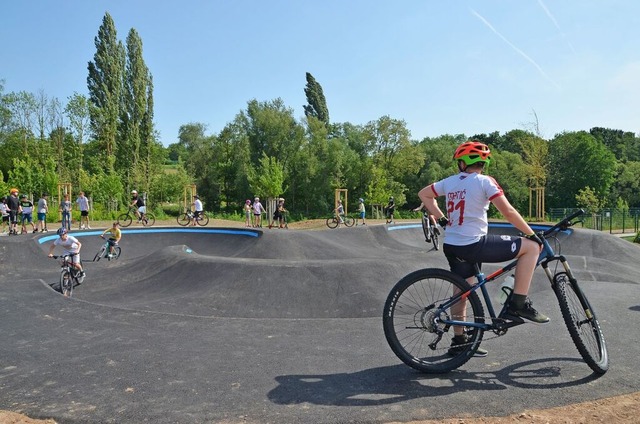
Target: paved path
[{"x": 281, "y": 327}]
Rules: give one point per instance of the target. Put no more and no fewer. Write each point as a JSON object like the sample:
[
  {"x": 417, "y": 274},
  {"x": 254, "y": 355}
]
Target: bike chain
[{"x": 494, "y": 336}]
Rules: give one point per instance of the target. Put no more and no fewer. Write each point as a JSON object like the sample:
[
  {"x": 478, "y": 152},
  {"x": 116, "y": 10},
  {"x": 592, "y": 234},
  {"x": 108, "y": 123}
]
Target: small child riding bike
[{"x": 114, "y": 238}]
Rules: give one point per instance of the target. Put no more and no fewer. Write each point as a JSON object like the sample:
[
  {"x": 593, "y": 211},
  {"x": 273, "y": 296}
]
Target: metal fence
[{"x": 611, "y": 220}]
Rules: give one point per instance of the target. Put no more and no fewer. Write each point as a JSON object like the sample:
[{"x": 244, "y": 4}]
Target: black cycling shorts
[{"x": 491, "y": 248}]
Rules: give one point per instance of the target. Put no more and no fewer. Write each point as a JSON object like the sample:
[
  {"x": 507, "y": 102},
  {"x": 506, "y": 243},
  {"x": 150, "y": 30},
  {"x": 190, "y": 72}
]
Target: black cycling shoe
[
  {"x": 527, "y": 311},
  {"x": 458, "y": 346}
]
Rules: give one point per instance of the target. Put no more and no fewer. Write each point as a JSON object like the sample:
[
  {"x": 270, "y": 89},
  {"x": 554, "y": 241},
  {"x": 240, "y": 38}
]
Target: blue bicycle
[{"x": 418, "y": 319}]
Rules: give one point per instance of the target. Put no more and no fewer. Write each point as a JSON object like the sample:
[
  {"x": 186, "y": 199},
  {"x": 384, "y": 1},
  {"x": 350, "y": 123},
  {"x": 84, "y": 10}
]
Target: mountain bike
[
  {"x": 335, "y": 221},
  {"x": 147, "y": 219},
  {"x": 418, "y": 317},
  {"x": 188, "y": 217},
  {"x": 431, "y": 232},
  {"x": 104, "y": 251},
  {"x": 69, "y": 277}
]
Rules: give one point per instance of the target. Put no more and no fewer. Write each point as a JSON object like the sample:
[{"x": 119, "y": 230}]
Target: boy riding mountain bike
[
  {"x": 71, "y": 247},
  {"x": 466, "y": 239}
]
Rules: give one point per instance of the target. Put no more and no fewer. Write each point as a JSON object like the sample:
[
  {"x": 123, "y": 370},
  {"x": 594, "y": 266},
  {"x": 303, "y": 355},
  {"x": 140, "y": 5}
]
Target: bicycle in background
[
  {"x": 419, "y": 312},
  {"x": 430, "y": 230},
  {"x": 147, "y": 219},
  {"x": 105, "y": 251},
  {"x": 188, "y": 217},
  {"x": 336, "y": 221}
]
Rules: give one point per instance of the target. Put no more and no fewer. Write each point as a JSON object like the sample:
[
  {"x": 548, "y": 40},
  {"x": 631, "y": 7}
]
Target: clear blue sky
[{"x": 445, "y": 67}]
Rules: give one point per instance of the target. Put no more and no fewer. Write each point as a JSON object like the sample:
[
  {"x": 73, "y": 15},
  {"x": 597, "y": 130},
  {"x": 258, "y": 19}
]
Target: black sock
[{"x": 518, "y": 300}]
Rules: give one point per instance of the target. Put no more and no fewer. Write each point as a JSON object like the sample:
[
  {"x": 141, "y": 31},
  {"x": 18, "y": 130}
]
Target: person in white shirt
[
  {"x": 197, "y": 208},
  {"x": 83, "y": 205},
  {"x": 466, "y": 240},
  {"x": 258, "y": 210},
  {"x": 71, "y": 247}
]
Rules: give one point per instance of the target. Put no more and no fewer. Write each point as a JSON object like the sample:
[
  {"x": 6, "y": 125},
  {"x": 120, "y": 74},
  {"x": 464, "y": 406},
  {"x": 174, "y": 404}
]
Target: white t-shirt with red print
[{"x": 468, "y": 197}]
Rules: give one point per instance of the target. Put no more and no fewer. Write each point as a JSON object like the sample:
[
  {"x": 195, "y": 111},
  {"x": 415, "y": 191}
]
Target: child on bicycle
[
  {"x": 114, "y": 238},
  {"x": 432, "y": 219},
  {"x": 466, "y": 240},
  {"x": 71, "y": 247},
  {"x": 339, "y": 212}
]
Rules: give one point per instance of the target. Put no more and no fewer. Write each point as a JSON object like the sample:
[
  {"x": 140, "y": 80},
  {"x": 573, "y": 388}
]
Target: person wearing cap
[
  {"x": 138, "y": 202},
  {"x": 278, "y": 214},
  {"x": 13, "y": 203},
  {"x": 247, "y": 213},
  {"x": 361, "y": 210},
  {"x": 197, "y": 208},
  {"x": 71, "y": 247},
  {"x": 26, "y": 207},
  {"x": 43, "y": 208},
  {"x": 258, "y": 210}
]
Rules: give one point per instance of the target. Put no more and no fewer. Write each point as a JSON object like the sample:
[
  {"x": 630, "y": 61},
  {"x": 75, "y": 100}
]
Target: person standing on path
[{"x": 83, "y": 205}]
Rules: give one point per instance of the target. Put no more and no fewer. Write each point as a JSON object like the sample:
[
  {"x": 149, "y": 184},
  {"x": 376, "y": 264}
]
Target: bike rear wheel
[
  {"x": 203, "y": 219},
  {"x": 183, "y": 219},
  {"x": 148, "y": 220},
  {"x": 125, "y": 220},
  {"x": 66, "y": 283},
  {"x": 332, "y": 222},
  {"x": 100, "y": 254},
  {"x": 412, "y": 321},
  {"x": 116, "y": 252},
  {"x": 348, "y": 221},
  {"x": 582, "y": 323}
]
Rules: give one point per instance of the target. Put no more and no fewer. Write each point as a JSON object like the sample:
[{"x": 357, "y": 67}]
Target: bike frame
[{"x": 546, "y": 257}]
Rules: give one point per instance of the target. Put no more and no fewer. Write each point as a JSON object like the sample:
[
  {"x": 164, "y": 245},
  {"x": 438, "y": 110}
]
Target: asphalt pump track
[{"x": 229, "y": 325}]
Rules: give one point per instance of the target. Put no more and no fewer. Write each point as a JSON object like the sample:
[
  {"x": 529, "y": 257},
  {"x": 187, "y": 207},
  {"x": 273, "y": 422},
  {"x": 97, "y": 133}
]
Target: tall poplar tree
[
  {"x": 317, "y": 104},
  {"x": 105, "y": 87},
  {"x": 134, "y": 111}
]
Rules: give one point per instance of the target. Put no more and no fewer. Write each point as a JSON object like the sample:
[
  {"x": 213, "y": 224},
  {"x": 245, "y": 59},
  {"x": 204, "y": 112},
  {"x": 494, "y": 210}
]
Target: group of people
[
  {"x": 20, "y": 209},
  {"x": 253, "y": 213}
]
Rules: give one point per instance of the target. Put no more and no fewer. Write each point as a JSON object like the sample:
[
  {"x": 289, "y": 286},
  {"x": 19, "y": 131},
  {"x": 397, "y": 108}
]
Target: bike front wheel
[
  {"x": 66, "y": 283},
  {"x": 582, "y": 323},
  {"x": 125, "y": 220},
  {"x": 203, "y": 219},
  {"x": 184, "y": 219},
  {"x": 348, "y": 221},
  {"x": 435, "y": 238},
  {"x": 100, "y": 254},
  {"x": 426, "y": 229},
  {"x": 148, "y": 220},
  {"x": 332, "y": 222},
  {"x": 413, "y": 320}
]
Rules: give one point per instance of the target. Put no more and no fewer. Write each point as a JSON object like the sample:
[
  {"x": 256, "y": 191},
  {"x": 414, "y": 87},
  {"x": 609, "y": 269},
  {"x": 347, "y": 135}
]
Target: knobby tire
[
  {"x": 66, "y": 283},
  {"x": 582, "y": 323},
  {"x": 425, "y": 229},
  {"x": 410, "y": 326}
]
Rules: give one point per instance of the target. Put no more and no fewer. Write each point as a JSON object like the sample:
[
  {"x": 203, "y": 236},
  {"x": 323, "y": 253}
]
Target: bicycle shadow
[{"x": 399, "y": 383}]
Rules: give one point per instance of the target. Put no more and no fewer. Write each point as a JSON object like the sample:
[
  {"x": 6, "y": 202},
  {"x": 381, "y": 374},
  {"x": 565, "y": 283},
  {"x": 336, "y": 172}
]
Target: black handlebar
[{"x": 565, "y": 223}]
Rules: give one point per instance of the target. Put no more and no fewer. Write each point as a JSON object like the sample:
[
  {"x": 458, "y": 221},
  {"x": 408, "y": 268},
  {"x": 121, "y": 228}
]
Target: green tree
[
  {"x": 316, "y": 103},
  {"x": 578, "y": 160},
  {"x": 132, "y": 160},
  {"x": 268, "y": 179},
  {"x": 105, "y": 84}
]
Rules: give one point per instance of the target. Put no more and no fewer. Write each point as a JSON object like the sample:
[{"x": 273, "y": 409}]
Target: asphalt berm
[{"x": 234, "y": 325}]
